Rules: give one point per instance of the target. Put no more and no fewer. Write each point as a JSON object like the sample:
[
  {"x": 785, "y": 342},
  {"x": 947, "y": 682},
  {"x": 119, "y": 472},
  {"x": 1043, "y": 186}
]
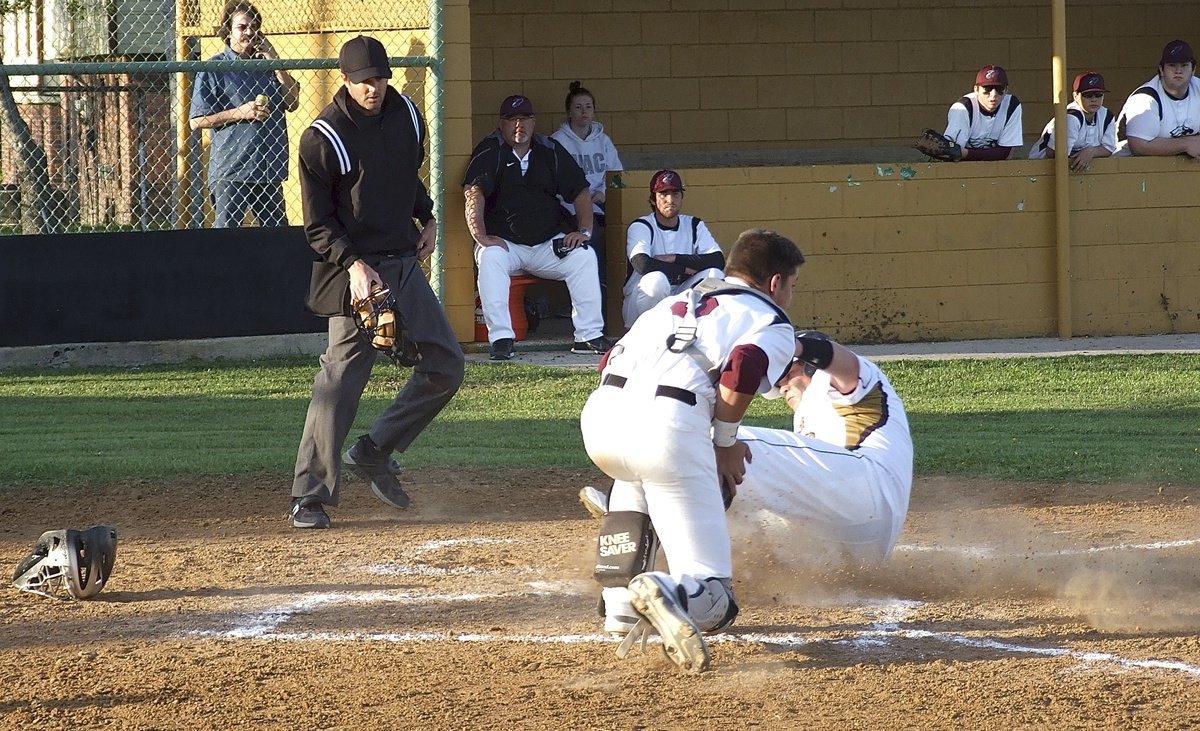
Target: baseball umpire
[
  {"x": 359, "y": 175},
  {"x": 663, "y": 424}
]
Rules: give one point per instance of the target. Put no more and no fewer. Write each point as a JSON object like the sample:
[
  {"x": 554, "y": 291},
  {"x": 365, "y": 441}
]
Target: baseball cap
[
  {"x": 1177, "y": 51},
  {"x": 991, "y": 76},
  {"x": 1089, "y": 81},
  {"x": 516, "y": 106},
  {"x": 363, "y": 58},
  {"x": 665, "y": 180}
]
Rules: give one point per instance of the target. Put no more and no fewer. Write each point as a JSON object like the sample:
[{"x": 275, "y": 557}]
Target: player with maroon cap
[
  {"x": 986, "y": 122},
  {"x": 1162, "y": 116},
  {"x": 1091, "y": 131}
]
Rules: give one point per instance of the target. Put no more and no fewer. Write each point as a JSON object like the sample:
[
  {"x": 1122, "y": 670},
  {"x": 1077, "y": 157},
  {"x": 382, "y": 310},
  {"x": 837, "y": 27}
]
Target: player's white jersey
[
  {"x": 1150, "y": 113},
  {"x": 724, "y": 323},
  {"x": 691, "y": 236},
  {"x": 870, "y": 420},
  {"x": 1081, "y": 134},
  {"x": 969, "y": 126},
  {"x": 838, "y": 486}
]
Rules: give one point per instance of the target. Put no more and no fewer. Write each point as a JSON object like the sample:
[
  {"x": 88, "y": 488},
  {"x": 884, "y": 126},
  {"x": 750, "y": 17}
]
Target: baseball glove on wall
[
  {"x": 383, "y": 327},
  {"x": 938, "y": 146}
]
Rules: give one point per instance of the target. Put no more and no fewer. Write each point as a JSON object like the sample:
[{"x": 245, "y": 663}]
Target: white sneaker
[
  {"x": 619, "y": 625},
  {"x": 655, "y": 601},
  {"x": 594, "y": 500}
]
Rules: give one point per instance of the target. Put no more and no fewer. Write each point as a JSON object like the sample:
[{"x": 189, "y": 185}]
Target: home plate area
[{"x": 447, "y": 598}]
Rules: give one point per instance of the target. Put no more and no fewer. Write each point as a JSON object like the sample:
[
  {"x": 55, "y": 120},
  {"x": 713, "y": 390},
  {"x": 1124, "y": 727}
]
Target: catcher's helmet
[
  {"x": 80, "y": 561},
  {"x": 381, "y": 323}
]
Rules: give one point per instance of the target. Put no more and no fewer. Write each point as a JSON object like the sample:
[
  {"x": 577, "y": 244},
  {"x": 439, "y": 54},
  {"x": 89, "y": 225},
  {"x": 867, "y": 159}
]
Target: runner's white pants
[{"x": 804, "y": 495}]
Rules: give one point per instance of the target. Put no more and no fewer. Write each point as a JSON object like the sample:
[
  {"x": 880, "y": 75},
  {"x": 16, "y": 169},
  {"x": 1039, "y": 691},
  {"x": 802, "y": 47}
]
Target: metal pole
[
  {"x": 436, "y": 160},
  {"x": 1062, "y": 180}
]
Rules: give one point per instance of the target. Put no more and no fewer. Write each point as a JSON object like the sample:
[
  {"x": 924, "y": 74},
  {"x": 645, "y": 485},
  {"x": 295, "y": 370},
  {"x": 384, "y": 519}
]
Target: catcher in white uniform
[
  {"x": 986, "y": 122},
  {"x": 1091, "y": 132},
  {"x": 668, "y": 251},
  {"x": 663, "y": 424},
  {"x": 836, "y": 488}
]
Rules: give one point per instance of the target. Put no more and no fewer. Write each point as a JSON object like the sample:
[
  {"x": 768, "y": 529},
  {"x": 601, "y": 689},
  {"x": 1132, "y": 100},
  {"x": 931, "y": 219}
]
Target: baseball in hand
[{"x": 262, "y": 100}]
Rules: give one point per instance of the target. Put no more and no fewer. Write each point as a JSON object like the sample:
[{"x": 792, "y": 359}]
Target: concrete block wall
[
  {"x": 678, "y": 74},
  {"x": 936, "y": 251}
]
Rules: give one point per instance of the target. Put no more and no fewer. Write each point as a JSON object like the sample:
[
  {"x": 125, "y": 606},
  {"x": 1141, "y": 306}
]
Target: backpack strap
[{"x": 684, "y": 337}]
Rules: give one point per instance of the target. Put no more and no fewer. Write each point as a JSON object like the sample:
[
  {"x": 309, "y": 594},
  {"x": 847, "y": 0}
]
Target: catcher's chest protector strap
[
  {"x": 626, "y": 547},
  {"x": 685, "y": 327}
]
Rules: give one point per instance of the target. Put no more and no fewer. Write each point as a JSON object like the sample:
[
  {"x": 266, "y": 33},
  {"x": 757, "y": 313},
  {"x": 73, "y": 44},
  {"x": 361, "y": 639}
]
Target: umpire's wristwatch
[{"x": 587, "y": 232}]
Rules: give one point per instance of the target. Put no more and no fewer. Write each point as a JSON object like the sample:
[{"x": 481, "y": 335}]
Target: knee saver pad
[
  {"x": 714, "y": 606},
  {"x": 626, "y": 547}
]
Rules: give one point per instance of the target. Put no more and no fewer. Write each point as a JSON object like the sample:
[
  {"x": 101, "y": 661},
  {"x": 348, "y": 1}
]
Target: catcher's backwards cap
[
  {"x": 991, "y": 76},
  {"x": 1089, "y": 81},
  {"x": 363, "y": 58},
  {"x": 665, "y": 180},
  {"x": 1177, "y": 51}
]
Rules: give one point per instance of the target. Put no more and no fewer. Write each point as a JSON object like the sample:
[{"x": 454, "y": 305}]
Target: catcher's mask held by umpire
[
  {"x": 383, "y": 326},
  {"x": 79, "y": 561}
]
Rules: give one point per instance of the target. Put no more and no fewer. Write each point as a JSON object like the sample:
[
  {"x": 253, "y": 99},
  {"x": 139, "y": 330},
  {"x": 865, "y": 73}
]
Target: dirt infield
[{"x": 1005, "y": 606}]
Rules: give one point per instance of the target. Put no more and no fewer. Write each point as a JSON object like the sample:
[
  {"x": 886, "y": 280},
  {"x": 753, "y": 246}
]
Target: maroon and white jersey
[
  {"x": 739, "y": 336},
  {"x": 969, "y": 126},
  {"x": 1081, "y": 134},
  {"x": 1150, "y": 113}
]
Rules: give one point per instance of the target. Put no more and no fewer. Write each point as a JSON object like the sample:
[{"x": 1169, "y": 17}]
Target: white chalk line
[
  {"x": 265, "y": 625},
  {"x": 988, "y": 552}
]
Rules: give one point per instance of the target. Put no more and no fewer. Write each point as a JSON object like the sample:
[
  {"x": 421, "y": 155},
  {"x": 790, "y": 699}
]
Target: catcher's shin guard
[{"x": 626, "y": 547}]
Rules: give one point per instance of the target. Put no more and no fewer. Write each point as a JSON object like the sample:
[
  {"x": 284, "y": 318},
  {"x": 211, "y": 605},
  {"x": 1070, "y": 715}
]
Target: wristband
[{"x": 724, "y": 433}]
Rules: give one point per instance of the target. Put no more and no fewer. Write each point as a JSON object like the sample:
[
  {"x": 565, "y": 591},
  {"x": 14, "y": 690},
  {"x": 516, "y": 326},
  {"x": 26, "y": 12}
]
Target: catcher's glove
[
  {"x": 383, "y": 327},
  {"x": 938, "y": 146}
]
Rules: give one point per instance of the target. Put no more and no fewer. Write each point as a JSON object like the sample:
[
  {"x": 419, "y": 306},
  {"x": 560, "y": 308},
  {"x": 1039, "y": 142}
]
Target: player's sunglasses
[
  {"x": 1093, "y": 95},
  {"x": 994, "y": 89}
]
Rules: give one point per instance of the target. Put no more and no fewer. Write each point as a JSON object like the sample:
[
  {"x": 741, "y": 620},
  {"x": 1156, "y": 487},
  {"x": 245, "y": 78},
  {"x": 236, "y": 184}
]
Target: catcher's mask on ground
[
  {"x": 383, "y": 326},
  {"x": 79, "y": 561}
]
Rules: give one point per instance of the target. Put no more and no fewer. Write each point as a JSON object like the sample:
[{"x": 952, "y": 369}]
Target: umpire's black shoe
[
  {"x": 368, "y": 462},
  {"x": 309, "y": 515},
  {"x": 502, "y": 349},
  {"x": 595, "y": 346}
]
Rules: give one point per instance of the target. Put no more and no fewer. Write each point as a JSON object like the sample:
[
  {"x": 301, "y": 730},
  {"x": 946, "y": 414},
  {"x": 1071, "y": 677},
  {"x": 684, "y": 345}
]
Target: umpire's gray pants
[{"x": 346, "y": 367}]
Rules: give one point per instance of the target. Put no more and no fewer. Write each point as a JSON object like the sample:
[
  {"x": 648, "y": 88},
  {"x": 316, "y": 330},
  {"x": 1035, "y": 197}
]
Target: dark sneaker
[
  {"x": 310, "y": 515},
  {"x": 369, "y": 463},
  {"x": 595, "y": 346},
  {"x": 657, "y": 604},
  {"x": 394, "y": 467},
  {"x": 502, "y": 349}
]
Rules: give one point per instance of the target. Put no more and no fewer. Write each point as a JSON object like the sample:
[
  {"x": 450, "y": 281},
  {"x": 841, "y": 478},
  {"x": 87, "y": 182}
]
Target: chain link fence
[{"x": 142, "y": 115}]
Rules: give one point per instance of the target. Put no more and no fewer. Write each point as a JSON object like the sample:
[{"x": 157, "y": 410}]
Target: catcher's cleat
[
  {"x": 657, "y": 604},
  {"x": 596, "y": 501},
  {"x": 366, "y": 461},
  {"x": 619, "y": 625},
  {"x": 309, "y": 515}
]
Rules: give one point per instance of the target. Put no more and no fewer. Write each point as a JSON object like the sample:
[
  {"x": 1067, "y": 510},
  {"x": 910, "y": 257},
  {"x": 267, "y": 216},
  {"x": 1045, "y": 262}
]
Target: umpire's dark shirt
[
  {"x": 361, "y": 186},
  {"x": 525, "y": 209}
]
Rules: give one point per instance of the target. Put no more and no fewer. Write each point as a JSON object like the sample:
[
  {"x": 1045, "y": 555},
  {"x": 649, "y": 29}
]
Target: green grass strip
[{"x": 1096, "y": 419}]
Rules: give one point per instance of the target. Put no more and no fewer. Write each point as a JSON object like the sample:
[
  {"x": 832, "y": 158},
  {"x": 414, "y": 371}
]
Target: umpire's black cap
[{"x": 363, "y": 58}]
